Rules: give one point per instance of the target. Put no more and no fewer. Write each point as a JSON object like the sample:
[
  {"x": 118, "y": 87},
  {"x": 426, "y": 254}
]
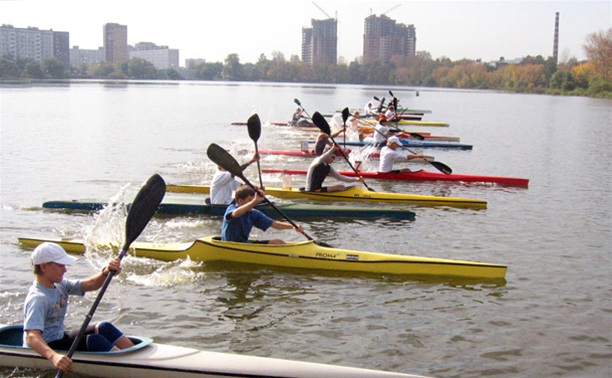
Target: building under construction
[
  {"x": 320, "y": 42},
  {"x": 383, "y": 38}
]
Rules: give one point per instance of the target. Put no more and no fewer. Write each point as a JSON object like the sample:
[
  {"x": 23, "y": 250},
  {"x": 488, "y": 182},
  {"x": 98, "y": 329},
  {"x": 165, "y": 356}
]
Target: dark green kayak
[{"x": 189, "y": 205}]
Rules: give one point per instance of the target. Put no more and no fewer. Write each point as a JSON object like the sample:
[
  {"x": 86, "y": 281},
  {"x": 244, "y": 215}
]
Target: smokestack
[{"x": 556, "y": 42}]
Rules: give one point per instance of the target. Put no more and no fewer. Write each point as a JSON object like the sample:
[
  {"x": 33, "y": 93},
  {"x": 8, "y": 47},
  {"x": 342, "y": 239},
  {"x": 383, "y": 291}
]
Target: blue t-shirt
[
  {"x": 45, "y": 308},
  {"x": 239, "y": 229}
]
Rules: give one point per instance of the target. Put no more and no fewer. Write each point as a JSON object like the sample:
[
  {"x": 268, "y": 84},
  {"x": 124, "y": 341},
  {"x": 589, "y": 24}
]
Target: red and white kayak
[{"x": 421, "y": 175}]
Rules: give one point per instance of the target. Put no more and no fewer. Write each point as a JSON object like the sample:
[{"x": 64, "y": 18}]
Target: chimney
[{"x": 556, "y": 41}]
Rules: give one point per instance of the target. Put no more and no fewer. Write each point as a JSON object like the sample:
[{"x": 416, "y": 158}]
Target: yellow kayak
[
  {"x": 353, "y": 194},
  {"x": 300, "y": 255}
]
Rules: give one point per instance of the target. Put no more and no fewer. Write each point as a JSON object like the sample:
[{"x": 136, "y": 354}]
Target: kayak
[
  {"x": 154, "y": 360},
  {"x": 302, "y": 153},
  {"x": 352, "y": 193},
  {"x": 189, "y": 205},
  {"x": 420, "y": 175},
  {"x": 412, "y": 122},
  {"x": 300, "y": 255},
  {"x": 409, "y": 143}
]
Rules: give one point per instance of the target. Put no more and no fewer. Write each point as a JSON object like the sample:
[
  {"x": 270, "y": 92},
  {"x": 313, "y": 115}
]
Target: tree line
[{"x": 592, "y": 77}]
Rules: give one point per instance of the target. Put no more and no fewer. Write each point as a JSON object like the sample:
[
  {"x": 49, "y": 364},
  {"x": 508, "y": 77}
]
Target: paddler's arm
[
  {"x": 278, "y": 225},
  {"x": 37, "y": 343},
  {"x": 245, "y": 208},
  {"x": 253, "y": 160}
]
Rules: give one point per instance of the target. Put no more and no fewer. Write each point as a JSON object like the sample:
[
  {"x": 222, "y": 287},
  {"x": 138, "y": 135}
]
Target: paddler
[
  {"x": 323, "y": 141},
  {"x": 223, "y": 184},
  {"x": 320, "y": 168},
  {"x": 241, "y": 215},
  {"x": 46, "y": 304},
  {"x": 389, "y": 154}
]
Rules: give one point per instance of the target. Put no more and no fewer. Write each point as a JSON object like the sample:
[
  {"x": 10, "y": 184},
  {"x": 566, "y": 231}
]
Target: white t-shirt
[
  {"x": 380, "y": 133},
  {"x": 388, "y": 157},
  {"x": 222, "y": 188}
]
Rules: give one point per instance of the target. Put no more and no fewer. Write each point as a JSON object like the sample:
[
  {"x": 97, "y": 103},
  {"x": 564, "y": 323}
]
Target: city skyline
[{"x": 454, "y": 29}]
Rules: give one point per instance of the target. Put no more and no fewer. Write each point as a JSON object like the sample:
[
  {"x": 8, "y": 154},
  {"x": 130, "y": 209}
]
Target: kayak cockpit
[{"x": 11, "y": 336}]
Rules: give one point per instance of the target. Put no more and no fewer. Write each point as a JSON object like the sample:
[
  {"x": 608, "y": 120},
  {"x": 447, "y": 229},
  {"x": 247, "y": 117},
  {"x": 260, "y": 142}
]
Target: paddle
[
  {"x": 322, "y": 124},
  {"x": 414, "y": 135},
  {"x": 254, "y": 126},
  {"x": 345, "y": 115},
  {"x": 223, "y": 159},
  {"x": 438, "y": 165},
  {"x": 143, "y": 207}
]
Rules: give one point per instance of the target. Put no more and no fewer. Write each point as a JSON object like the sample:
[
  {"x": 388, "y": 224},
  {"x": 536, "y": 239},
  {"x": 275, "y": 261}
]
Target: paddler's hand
[
  {"x": 260, "y": 196},
  {"x": 61, "y": 362},
  {"x": 299, "y": 229},
  {"x": 359, "y": 179},
  {"x": 114, "y": 265}
]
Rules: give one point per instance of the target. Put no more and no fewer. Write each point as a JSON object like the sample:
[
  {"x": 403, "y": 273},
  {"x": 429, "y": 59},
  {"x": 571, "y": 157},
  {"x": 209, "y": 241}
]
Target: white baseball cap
[
  {"x": 394, "y": 139},
  {"x": 51, "y": 252}
]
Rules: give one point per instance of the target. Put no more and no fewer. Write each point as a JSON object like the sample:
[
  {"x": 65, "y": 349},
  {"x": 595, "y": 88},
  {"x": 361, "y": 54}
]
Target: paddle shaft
[{"x": 246, "y": 181}]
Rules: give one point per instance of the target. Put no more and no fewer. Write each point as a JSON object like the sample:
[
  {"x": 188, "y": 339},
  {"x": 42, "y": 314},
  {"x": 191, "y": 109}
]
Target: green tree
[
  {"x": 232, "y": 70},
  {"x": 34, "y": 70},
  {"x": 54, "y": 68},
  {"x": 141, "y": 69},
  {"x": 8, "y": 69}
]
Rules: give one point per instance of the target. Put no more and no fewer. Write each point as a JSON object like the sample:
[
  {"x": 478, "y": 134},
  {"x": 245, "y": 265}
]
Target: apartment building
[
  {"x": 35, "y": 44},
  {"x": 320, "y": 42}
]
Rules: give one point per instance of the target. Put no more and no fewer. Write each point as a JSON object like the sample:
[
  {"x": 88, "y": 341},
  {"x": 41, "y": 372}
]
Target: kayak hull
[
  {"x": 155, "y": 360},
  {"x": 421, "y": 175},
  {"x": 301, "y": 153},
  {"x": 306, "y": 255},
  {"x": 198, "y": 206},
  {"x": 412, "y": 143},
  {"x": 352, "y": 194}
]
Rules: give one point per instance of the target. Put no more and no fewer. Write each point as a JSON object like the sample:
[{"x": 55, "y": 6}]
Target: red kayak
[{"x": 420, "y": 176}]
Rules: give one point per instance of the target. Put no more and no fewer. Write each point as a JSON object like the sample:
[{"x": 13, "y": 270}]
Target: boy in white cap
[
  {"x": 389, "y": 154},
  {"x": 47, "y": 302}
]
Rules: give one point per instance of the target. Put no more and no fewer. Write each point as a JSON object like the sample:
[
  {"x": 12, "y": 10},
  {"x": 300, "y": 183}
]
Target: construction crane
[
  {"x": 391, "y": 9},
  {"x": 321, "y": 9}
]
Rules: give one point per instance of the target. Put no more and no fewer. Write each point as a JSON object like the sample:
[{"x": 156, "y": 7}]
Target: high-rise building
[
  {"x": 320, "y": 42},
  {"x": 35, "y": 44},
  {"x": 115, "y": 43},
  {"x": 383, "y": 38}
]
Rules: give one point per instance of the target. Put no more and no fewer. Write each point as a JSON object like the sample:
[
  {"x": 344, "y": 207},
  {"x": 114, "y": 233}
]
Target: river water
[{"x": 552, "y": 316}]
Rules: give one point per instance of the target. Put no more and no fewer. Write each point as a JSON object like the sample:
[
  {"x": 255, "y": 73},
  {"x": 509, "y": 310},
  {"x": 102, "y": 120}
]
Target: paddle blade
[
  {"x": 224, "y": 160},
  {"x": 321, "y": 123},
  {"x": 391, "y": 93},
  {"x": 345, "y": 115},
  {"x": 297, "y": 102},
  {"x": 143, "y": 207},
  {"x": 254, "y": 126},
  {"x": 441, "y": 167}
]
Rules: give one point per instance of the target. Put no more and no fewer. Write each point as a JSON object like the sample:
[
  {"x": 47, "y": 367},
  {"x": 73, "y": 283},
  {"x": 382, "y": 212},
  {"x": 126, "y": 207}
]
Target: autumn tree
[{"x": 598, "y": 50}]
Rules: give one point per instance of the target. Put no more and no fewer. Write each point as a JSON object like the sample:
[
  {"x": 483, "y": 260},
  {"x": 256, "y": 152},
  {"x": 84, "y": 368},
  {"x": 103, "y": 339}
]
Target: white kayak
[{"x": 153, "y": 360}]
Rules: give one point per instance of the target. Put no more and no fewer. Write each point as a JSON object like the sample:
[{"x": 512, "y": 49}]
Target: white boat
[{"x": 153, "y": 360}]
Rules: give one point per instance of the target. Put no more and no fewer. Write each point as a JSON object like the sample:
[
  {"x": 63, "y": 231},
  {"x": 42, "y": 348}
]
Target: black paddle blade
[
  {"x": 143, "y": 207},
  {"x": 254, "y": 126},
  {"x": 442, "y": 167},
  {"x": 391, "y": 93},
  {"x": 321, "y": 123},
  {"x": 224, "y": 160},
  {"x": 345, "y": 115},
  {"x": 297, "y": 102},
  {"x": 417, "y": 136}
]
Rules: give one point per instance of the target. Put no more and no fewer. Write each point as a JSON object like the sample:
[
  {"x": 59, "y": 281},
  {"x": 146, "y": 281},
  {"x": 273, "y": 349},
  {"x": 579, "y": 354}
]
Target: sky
[{"x": 212, "y": 30}]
